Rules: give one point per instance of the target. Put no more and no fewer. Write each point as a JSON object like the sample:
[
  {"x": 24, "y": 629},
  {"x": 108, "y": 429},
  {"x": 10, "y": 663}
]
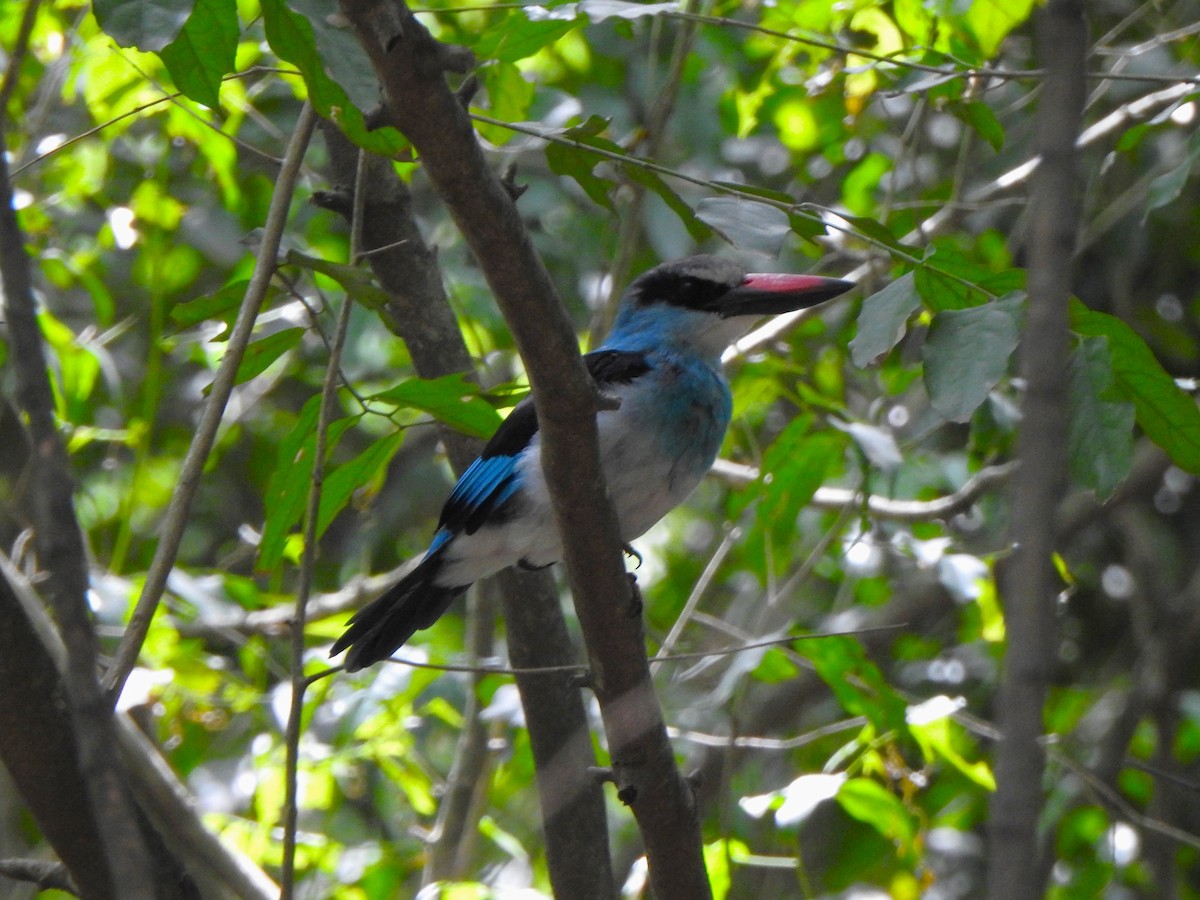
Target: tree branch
[
  {"x": 410, "y": 65},
  {"x": 1030, "y": 583},
  {"x": 573, "y": 815},
  {"x": 210, "y": 421},
  {"x": 40, "y": 756},
  {"x": 61, "y": 553}
]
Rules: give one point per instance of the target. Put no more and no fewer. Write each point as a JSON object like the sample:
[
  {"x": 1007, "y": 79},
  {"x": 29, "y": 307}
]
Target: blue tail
[{"x": 381, "y": 627}]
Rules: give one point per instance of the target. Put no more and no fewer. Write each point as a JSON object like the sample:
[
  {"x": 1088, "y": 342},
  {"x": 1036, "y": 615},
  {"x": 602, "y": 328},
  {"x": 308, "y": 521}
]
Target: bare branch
[
  {"x": 311, "y": 513},
  {"x": 210, "y": 421},
  {"x": 60, "y": 551},
  {"x": 1030, "y": 584},
  {"x": 428, "y": 113},
  {"x": 885, "y": 507},
  {"x": 573, "y": 813}
]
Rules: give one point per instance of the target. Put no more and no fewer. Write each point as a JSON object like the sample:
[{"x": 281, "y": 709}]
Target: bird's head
[{"x": 705, "y": 303}]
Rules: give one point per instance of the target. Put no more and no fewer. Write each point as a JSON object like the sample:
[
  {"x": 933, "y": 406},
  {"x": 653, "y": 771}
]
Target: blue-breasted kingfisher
[{"x": 662, "y": 365}]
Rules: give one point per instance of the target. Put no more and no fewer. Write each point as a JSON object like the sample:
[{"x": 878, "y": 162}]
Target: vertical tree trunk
[{"x": 1030, "y": 584}]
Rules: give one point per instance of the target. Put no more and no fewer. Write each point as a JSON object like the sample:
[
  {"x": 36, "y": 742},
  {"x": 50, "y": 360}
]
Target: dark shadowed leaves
[
  {"x": 966, "y": 355},
  {"x": 1168, "y": 415},
  {"x": 1100, "y": 436},
  {"x": 883, "y": 318}
]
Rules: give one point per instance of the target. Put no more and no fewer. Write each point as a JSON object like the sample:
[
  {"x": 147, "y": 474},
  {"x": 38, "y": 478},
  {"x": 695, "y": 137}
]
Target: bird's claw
[
  {"x": 635, "y": 597},
  {"x": 629, "y": 551}
]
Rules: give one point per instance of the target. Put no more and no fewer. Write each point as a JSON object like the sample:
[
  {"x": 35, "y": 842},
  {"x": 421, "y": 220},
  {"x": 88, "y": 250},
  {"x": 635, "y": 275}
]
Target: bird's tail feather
[{"x": 381, "y": 627}]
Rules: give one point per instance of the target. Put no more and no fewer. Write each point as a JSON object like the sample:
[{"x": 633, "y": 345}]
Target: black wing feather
[
  {"x": 483, "y": 492},
  {"x": 605, "y": 366}
]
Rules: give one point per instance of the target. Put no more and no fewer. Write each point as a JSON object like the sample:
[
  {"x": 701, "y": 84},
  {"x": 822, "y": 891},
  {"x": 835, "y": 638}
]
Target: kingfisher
[{"x": 661, "y": 364}]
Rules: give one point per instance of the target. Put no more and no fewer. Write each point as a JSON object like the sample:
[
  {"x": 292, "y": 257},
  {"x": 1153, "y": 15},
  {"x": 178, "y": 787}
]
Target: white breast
[{"x": 653, "y": 454}]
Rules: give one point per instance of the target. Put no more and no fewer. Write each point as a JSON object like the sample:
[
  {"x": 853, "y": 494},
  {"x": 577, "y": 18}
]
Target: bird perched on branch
[{"x": 662, "y": 363}]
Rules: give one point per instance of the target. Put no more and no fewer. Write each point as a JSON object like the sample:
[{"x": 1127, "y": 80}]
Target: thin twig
[
  {"x": 835, "y": 498},
  {"x": 655, "y": 660},
  {"x": 287, "y": 880},
  {"x": 16, "y": 56}
]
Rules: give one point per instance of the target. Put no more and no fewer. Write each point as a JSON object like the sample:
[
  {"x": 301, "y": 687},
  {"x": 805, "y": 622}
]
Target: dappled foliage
[{"x": 888, "y": 143}]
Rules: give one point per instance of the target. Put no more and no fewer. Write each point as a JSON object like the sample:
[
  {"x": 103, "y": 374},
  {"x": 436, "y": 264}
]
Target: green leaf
[
  {"x": 341, "y": 53},
  {"x": 293, "y": 39},
  {"x": 879, "y": 234},
  {"x": 347, "y": 478},
  {"x": 518, "y": 36},
  {"x": 983, "y": 119},
  {"x": 697, "y": 229},
  {"x": 1169, "y": 416},
  {"x": 949, "y": 280},
  {"x": 856, "y": 681},
  {"x": 1165, "y": 188},
  {"x": 793, "y": 468},
  {"x": 146, "y": 24},
  {"x": 936, "y": 739},
  {"x": 576, "y": 162},
  {"x": 219, "y": 306},
  {"x": 204, "y": 50},
  {"x": 450, "y": 399},
  {"x": 357, "y": 282},
  {"x": 882, "y": 320},
  {"x": 287, "y": 488},
  {"x": 78, "y": 368},
  {"x": 872, "y": 803},
  {"x": 746, "y": 224},
  {"x": 990, "y": 22},
  {"x": 1100, "y": 435},
  {"x": 261, "y": 353},
  {"x": 966, "y": 355},
  {"x": 510, "y": 96}
]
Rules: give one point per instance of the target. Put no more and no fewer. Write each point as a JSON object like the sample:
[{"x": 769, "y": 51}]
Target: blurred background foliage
[{"x": 891, "y": 141}]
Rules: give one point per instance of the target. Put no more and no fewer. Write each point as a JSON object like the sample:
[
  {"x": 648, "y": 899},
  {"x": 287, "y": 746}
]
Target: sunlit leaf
[
  {"x": 524, "y": 33},
  {"x": 340, "y": 484},
  {"x": 872, "y": 803},
  {"x": 450, "y": 399},
  {"x": 990, "y": 22},
  {"x": 261, "y": 353},
  {"x": 204, "y": 50}
]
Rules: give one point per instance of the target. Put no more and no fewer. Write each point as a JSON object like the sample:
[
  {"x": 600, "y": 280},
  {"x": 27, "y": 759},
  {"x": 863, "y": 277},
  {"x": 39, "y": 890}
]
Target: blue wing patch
[
  {"x": 491, "y": 481},
  {"x": 482, "y": 490}
]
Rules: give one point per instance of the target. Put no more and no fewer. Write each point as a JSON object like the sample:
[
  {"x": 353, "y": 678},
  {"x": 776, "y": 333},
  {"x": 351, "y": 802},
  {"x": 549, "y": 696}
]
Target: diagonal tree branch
[
  {"x": 412, "y": 67},
  {"x": 210, "y": 420},
  {"x": 573, "y": 814}
]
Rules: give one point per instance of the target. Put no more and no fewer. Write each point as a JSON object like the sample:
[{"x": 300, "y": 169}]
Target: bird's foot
[
  {"x": 635, "y": 597},
  {"x": 629, "y": 551}
]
